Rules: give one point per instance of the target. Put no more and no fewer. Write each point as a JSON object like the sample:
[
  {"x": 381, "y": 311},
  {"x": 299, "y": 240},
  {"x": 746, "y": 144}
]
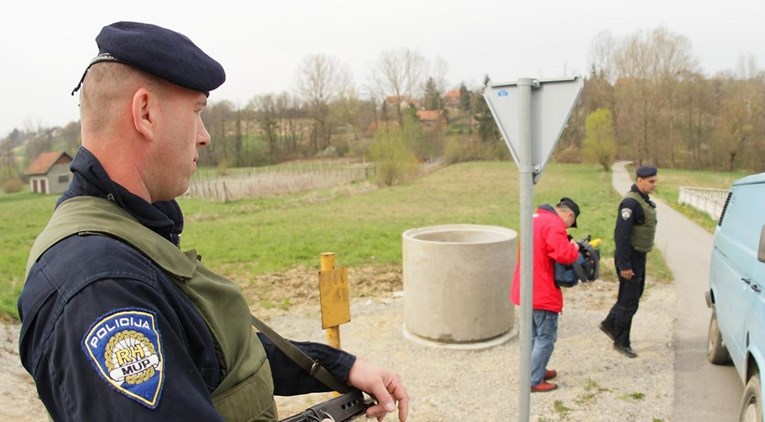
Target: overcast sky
[{"x": 45, "y": 45}]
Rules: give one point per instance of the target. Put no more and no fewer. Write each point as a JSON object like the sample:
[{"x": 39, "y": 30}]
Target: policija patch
[
  {"x": 626, "y": 214},
  {"x": 126, "y": 350}
]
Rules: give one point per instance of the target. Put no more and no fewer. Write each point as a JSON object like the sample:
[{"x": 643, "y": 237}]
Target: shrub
[
  {"x": 393, "y": 159},
  {"x": 13, "y": 186},
  {"x": 570, "y": 154}
]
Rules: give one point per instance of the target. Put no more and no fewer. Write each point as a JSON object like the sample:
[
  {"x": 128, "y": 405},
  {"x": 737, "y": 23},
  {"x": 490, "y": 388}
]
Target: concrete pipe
[{"x": 456, "y": 283}]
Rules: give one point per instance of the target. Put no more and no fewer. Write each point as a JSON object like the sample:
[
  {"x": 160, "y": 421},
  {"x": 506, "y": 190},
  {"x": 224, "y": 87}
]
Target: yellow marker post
[{"x": 334, "y": 298}]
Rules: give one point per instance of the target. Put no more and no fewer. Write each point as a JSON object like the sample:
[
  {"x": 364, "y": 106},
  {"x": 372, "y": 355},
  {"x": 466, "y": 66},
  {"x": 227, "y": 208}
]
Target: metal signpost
[{"x": 531, "y": 115}]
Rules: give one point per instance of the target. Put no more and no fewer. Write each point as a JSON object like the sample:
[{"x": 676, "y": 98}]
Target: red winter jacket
[{"x": 551, "y": 244}]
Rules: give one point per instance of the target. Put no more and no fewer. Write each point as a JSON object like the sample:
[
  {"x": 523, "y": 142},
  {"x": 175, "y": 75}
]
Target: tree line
[
  {"x": 652, "y": 104},
  {"x": 644, "y": 99}
]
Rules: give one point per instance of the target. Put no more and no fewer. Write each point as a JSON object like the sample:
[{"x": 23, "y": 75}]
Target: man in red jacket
[{"x": 551, "y": 244}]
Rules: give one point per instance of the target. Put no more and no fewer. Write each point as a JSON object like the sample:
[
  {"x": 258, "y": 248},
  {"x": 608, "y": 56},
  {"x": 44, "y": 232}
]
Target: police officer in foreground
[
  {"x": 633, "y": 236},
  {"x": 117, "y": 322}
]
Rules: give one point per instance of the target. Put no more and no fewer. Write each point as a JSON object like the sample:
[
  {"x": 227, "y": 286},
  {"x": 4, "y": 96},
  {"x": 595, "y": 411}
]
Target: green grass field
[
  {"x": 24, "y": 215},
  {"x": 270, "y": 235}
]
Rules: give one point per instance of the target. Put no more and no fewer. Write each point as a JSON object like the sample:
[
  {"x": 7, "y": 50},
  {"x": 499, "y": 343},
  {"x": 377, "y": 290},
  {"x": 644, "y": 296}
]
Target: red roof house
[{"x": 50, "y": 173}]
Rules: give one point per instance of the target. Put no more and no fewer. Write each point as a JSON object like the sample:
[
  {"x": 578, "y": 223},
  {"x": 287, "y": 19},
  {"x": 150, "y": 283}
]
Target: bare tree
[
  {"x": 320, "y": 80},
  {"x": 39, "y": 141},
  {"x": 740, "y": 125},
  {"x": 291, "y": 130},
  {"x": 268, "y": 121},
  {"x": 601, "y": 54},
  {"x": 746, "y": 68},
  {"x": 70, "y": 135},
  {"x": 279, "y": 119},
  {"x": 439, "y": 72},
  {"x": 648, "y": 67},
  {"x": 399, "y": 73},
  {"x": 697, "y": 111},
  {"x": 8, "y": 166},
  {"x": 354, "y": 114},
  {"x": 672, "y": 62},
  {"x": 215, "y": 118}
]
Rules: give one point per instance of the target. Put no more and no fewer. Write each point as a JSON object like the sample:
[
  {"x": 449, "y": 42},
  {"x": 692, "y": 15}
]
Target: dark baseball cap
[
  {"x": 159, "y": 51},
  {"x": 570, "y": 204}
]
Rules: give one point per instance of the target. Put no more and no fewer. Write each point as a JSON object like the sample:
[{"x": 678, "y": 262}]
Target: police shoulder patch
[
  {"x": 626, "y": 213},
  {"x": 125, "y": 348}
]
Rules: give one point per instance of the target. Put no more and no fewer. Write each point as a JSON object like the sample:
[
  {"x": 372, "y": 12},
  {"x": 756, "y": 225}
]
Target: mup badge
[{"x": 126, "y": 350}]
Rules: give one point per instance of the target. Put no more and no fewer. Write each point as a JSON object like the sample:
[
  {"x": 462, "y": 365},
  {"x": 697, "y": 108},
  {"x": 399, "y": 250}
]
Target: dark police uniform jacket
[
  {"x": 83, "y": 287},
  {"x": 632, "y": 218}
]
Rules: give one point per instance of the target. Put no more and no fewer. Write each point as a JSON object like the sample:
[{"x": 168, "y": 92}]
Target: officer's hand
[
  {"x": 384, "y": 386},
  {"x": 627, "y": 274}
]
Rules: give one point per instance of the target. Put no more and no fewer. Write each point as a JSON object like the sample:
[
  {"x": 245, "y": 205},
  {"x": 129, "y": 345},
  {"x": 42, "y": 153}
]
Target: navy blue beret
[
  {"x": 646, "y": 171},
  {"x": 161, "y": 52}
]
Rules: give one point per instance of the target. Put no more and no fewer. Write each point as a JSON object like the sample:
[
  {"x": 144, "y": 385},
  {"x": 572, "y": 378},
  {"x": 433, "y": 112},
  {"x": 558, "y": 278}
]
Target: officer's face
[
  {"x": 181, "y": 134},
  {"x": 646, "y": 184}
]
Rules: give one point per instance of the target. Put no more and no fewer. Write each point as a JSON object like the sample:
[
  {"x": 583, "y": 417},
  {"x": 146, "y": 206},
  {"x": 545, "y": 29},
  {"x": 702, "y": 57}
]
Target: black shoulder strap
[{"x": 303, "y": 360}]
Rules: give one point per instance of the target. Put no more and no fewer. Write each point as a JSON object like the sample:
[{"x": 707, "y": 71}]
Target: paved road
[{"x": 703, "y": 392}]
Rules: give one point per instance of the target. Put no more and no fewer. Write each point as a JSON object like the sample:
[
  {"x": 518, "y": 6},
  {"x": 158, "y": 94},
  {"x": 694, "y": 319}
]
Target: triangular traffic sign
[{"x": 551, "y": 104}]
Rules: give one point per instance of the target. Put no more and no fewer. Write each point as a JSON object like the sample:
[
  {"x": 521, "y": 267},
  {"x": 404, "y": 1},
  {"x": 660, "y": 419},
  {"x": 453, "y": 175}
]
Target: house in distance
[{"x": 50, "y": 173}]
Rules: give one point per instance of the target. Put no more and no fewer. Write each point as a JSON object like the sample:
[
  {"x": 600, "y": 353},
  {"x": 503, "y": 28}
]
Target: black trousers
[{"x": 619, "y": 319}]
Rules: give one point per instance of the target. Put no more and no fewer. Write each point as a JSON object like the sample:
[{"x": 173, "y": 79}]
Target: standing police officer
[
  {"x": 634, "y": 237},
  {"x": 118, "y": 323}
]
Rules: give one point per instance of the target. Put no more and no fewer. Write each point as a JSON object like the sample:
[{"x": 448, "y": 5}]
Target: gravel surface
[
  {"x": 596, "y": 383},
  {"x": 18, "y": 397}
]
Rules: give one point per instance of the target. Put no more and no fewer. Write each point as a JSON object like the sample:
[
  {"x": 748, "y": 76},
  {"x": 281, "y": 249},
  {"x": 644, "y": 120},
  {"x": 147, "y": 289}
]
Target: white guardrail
[{"x": 710, "y": 201}]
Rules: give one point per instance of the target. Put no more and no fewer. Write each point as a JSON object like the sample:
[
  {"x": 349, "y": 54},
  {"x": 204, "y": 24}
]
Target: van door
[
  {"x": 755, "y": 316},
  {"x": 735, "y": 246}
]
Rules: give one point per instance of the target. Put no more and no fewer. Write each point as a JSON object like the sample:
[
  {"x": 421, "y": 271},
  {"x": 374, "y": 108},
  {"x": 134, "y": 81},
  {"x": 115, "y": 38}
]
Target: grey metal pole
[{"x": 526, "y": 171}]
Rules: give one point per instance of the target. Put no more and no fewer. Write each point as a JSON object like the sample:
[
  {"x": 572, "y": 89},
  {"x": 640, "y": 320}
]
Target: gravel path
[
  {"x": 18, "y": 397},
  {"x": 596, "y": 383}
]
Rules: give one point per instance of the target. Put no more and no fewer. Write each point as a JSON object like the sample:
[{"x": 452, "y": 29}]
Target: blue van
[{"x": 737, "y": 290}]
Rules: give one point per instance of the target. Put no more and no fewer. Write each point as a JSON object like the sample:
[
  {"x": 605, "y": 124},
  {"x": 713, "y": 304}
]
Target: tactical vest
[
  {"x": 246, "y": 391},
  {"x": 643, "y": 234}
]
